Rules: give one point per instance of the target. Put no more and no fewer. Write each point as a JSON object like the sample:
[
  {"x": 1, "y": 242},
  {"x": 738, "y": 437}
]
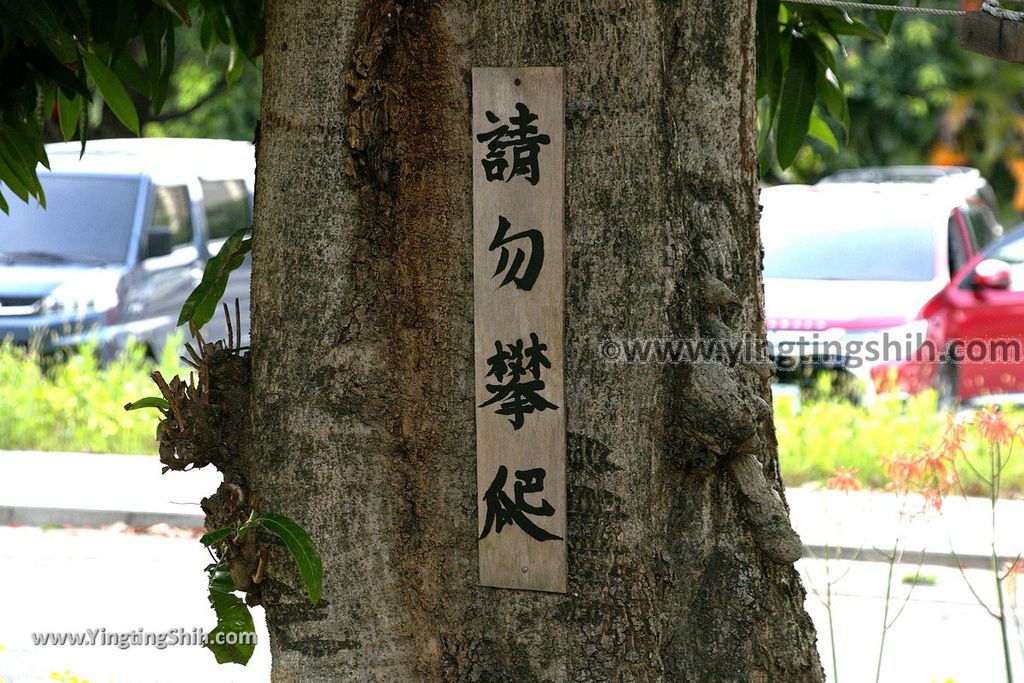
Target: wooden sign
[
  {"x": 519, "y": 290},
  {"x": 993, "y": 36}
]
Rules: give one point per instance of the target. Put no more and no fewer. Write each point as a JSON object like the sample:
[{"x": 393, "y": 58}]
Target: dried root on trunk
[{"x": 208, "y": 424}]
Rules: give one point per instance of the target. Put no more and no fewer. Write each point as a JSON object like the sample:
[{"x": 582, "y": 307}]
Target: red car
[
  {"x": 869, "y": 279},
  {"x": 975, "y": 334}
]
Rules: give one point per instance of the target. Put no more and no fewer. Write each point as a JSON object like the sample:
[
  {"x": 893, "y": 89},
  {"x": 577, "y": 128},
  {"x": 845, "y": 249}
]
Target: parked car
[
  {"x": 849, "y": 267},
  {"x": 975, "y": 328},
  {"x": 962, "y": 180},
  {"x": 123, "y": 240}
]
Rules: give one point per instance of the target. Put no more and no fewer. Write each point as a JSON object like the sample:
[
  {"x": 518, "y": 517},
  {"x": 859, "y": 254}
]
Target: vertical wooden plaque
[{"x": 519, "y": 290}]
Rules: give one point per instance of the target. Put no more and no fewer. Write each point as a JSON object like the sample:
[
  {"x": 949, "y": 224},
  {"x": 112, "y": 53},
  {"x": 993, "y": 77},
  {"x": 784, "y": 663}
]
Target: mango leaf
[
  {"x": 831, "y": 94},
  {"x": 300, "y": 545},
  {"x": 68, "y": 110},
  {"x": 130, "y": 73},
  {"x": 857, "y": 28},
  {"x": 178, "y": 8},
  {"x": 20, "y": 156},
  {"x": 885, "y": 19},
  {"x": 820, "y": 130},
  {"x": 201, "y": 304},
  {"x": 767, "y": 44},
  {"x": 233, "y": 617},
  {"x": 11, "y": 179},
  {"x": 216, "y": 536},
  {"x": 149, "y": 402},
  {"x": 113, "y": 92},
  {"x": 236, "y": 65},
  {"x": 797, "y": 100}
]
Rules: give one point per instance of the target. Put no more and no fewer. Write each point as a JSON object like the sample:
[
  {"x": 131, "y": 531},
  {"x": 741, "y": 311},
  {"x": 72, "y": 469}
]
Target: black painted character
[
  {"x": 514, "y": 364},
  {"x": 524, "y": 140},
  {"x": 525, "y": 279},
  {"x": 502, "y": 510}
]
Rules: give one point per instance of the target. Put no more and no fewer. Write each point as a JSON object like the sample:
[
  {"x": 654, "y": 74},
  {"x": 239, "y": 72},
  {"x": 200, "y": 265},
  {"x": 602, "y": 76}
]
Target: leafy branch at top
[
  {"x": 799, "y": 87},
  {"x": 57, "y": 55}
]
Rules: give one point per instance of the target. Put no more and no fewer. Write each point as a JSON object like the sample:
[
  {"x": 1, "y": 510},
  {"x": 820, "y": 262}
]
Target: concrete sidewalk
[
  {"x": 864, "y": 525},
  {"x": 84, "y": 489}
]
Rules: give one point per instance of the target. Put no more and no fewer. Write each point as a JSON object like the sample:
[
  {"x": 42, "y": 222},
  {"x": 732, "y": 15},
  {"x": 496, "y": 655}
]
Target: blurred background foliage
[
  {"x": 915, "y": 97},
  {"x": 201, "y": 102}
]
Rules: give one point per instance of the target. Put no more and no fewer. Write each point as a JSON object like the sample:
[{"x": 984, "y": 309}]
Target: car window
[
  {"x": 958, "y": 253},
  {"x": 816, "y": 240},
  {"x": 86, "y": 219},
  {"x": 227, "y": 207},
  {"x": 981, "y": 226},
  {"x": 173, "y": 213},
  {"x": 1012, "y": 252}
]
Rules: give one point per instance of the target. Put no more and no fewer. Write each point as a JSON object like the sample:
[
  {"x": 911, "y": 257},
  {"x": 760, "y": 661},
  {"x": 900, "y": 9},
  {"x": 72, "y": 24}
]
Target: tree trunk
[{"x": 680, "y": 554}]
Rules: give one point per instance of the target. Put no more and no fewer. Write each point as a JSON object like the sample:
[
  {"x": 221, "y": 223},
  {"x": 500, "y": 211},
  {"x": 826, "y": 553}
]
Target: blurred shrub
[
  {"x": 76, "y": 403},
  {"x": 826, "y": 434}
]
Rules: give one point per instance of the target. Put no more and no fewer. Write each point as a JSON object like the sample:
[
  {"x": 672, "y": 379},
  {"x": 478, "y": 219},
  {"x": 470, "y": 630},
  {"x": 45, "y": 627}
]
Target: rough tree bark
[{"x": 362, "y": 405}]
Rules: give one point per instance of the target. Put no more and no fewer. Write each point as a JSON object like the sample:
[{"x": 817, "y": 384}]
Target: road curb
[{"x": 77, "y": 517}]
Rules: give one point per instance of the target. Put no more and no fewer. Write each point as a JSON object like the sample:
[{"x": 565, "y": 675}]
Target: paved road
[
  {"x": 942, "y": 635},
  {"x": 75, "y": 579}
]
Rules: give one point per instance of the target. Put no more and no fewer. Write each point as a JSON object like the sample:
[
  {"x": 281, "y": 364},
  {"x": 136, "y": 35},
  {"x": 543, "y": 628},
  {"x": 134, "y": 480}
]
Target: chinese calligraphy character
[
  {"x": 524, "y": 141},
  {"x": 529, "y": 274},
  {"x": 502, "y": 510},
  {"x": 518, "y": 397}
]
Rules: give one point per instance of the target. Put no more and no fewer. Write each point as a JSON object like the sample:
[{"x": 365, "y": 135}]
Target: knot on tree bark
[{"x": 724, "y": 418}]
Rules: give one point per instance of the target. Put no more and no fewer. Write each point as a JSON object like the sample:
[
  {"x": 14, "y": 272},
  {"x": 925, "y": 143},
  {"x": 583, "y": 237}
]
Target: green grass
[
  {"x": 78, "y": 404},
  {"x": 825, "y": 434}
]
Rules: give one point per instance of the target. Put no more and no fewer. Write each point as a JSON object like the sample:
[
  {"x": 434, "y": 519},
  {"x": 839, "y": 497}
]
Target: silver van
[{"x": 123, "y": 240}]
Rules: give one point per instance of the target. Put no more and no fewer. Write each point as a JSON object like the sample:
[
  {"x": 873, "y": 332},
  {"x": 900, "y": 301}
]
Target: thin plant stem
[
  {"x": 995, "y": 462},
  {"x": 885, "y": 612},
  {"x": 828, "y": 611}
]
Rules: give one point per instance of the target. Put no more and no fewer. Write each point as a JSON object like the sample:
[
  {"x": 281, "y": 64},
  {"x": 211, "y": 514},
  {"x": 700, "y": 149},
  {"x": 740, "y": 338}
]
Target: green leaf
[
  {"x": 236, "y": 65},
  {"x": 149, "y": 402},
  {"x": 767, "y": 44},
  {"x": 177, "y": 7},
  {"x": 233, "y": 617},
  {"x": 857, "y": 28},
  {"x": 130, "y": 73},
  {"x": 797, "y": 100},
  {"x": 11, "y": 179},
  {"x": 820, "y": 130},
  {"x": 832, "y": 95},
  {"x": 300, "y": 545},
  {"x": 885, "y": 19},
  {"x": 17, "y": 162},
  {"x": 113, "y": 92},
  {"x": 44, "y": 22},
  {"x": 201, "y": 304},
  {"x": 216, "y": 536},
  {"x": 68, "y": 111}
]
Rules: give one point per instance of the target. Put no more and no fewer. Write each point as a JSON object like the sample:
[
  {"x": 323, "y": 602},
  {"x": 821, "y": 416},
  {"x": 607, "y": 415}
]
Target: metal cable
[{"x": 882, "y": 8}]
